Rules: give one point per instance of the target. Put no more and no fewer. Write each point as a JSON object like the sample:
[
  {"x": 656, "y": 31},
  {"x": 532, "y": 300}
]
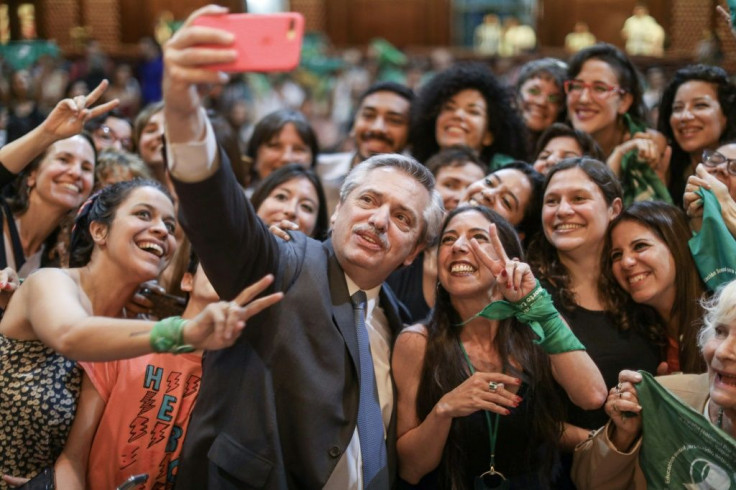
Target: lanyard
[{"x": 492, "y": 428}]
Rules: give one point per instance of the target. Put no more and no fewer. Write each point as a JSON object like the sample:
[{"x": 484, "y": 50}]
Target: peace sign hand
[
  {"x": 219, "y": 324},
  {"x": 69, "y": 115},
  {"x": 514, "y": 278}
]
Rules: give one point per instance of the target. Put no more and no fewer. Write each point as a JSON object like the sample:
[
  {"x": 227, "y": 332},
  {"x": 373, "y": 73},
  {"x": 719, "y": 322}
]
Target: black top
[
  {"x": 407, "y": 285},
  {"x": 611, "y": 349}
]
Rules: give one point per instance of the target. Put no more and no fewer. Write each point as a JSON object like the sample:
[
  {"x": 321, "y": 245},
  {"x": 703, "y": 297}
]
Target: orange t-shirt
[{"x": 148, "y": 402}]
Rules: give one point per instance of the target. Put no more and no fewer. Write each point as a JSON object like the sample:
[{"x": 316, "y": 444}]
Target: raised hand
[
  {"x": 514, "y": 277},
  {"x": 69, "y": 115},
  {"x": 481, "y": 391},
  {"x": 693, "y": 204},
  {"x": 186, "y": 58},
  {"x": 219, "y": 324}
]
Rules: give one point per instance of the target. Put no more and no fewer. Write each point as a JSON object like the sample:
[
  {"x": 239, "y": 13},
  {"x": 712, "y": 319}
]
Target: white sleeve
[{"x": 193, "y": 161}]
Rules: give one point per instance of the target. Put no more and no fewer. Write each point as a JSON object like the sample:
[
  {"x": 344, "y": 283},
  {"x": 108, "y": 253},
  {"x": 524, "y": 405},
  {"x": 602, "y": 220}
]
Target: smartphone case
[{"x": 265, "y": 42}]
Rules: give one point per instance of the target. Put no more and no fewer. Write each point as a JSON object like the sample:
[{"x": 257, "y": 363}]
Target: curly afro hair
[{"x": 503, "y": 121}]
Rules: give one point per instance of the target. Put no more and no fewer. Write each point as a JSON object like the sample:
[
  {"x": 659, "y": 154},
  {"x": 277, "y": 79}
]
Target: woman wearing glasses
[
  {"x": 697, "y": 112},
  {"x": 540, "y": 96},
  {"x": 604, "y": 99},
  {"x": 717, "y": 173}
]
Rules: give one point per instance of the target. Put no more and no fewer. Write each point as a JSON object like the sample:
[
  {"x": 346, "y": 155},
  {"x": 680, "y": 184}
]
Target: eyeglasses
[
  {"x": 536, "y": 92},
  {"x": 597, "y": 90},
  {"x": 712, "y": 158},
  {"x": 109, "y": 137}
]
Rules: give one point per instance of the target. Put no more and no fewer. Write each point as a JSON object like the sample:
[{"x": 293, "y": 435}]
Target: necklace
[{"x": 719, "y": 419}]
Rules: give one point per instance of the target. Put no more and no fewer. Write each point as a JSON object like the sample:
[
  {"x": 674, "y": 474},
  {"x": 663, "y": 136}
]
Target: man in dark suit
[{"x": 296, "y": 402}]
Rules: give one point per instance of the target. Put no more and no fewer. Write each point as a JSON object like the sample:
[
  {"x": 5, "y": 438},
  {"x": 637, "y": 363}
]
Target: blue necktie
[{"x": 370, "y": 421}]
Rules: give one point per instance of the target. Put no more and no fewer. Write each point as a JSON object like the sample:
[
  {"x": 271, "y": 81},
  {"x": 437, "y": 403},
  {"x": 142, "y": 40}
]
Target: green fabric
[
  {"x": 499, "y": 161},
  {"x": 537, "y": 310},
  {"x": 639, "y": 181},
  {"x": 166, "y": 336},
  {"x": 23, "y": 54},
  {"x": 680, "y": 447},
  {"x": 713, "y": 248}
]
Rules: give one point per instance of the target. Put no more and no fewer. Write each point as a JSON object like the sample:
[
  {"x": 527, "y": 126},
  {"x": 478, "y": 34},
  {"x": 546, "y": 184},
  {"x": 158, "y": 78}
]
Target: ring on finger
[{"x": 492, "y": 386}]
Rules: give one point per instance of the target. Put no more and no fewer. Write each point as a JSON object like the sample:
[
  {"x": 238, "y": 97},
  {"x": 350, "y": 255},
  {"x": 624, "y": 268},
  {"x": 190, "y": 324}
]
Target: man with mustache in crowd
[
  {"x": 381, "y": 125},
  {"x": 305, "y": 397}
]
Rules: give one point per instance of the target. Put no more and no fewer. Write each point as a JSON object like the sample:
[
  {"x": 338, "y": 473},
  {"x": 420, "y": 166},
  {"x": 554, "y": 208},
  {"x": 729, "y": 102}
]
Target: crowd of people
[{"x": 470, "y": 297}]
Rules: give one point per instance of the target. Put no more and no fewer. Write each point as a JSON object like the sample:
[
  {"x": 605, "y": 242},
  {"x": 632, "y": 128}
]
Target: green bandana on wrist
[
  {"x": 166, "y": 336},
  {"x": 536, "y": 310}
]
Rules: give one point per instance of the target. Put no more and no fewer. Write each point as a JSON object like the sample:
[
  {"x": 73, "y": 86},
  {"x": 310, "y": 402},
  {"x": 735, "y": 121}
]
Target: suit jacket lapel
[{"x": 342, "y": 308}]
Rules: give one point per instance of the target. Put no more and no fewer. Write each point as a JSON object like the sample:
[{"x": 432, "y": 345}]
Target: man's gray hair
[
  {"x": 433, "y": 214},
  {"x": 719, "y": 310}
]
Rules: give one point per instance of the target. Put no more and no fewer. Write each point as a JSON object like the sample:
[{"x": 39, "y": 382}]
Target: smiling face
[
  {"x": 541, "y": 102},
  {"x": 506, "y": 191},
  {"x": 381, "y": 124},
  {"x": 151, "y": 144},
  {"x": 463, "y": 121},
  {"x": 556, "y": 150},
  {"x": 643, "y": 266},
  {"x": 591, "y": 111},
  {"x": 65, "y": 177},
  {"x": 697, "y": 119},
  {"x": 719, "y": 352},
  {"x": 141, "y": 236},
  {"x": 377, "y": 228},
  {"x": 283, "y": 148},
  {"x": 295, "y": 200},
  {"x": 459, "y": 270},
  {"x": 453, "y": 180},
  {"x": 575, "y": 213}
]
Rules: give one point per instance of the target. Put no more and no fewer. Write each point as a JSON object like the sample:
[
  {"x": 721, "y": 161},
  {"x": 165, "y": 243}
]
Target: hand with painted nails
[
  {"x": 481, "y": 391},
  {"x": 9, "y": 282},
  {"x": 514, "y": 278}
]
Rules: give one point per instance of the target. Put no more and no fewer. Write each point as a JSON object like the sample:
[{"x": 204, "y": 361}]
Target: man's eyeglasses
[
  {"x": 712, "y": 158},
  {"x": 597, "y": 90}
]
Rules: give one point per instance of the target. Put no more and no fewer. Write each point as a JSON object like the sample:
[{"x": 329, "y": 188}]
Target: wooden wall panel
[{"x": 403, "y": 23}]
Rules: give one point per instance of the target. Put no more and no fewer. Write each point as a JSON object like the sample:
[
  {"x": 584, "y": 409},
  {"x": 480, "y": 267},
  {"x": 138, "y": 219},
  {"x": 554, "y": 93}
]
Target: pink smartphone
[{"x": 265, "y": 42}]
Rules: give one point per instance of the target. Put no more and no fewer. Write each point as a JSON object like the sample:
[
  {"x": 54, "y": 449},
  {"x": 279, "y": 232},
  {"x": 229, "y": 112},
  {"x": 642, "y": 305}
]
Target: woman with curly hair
[
  {"x": 467, "y": 105},
  {"x": 697, "y": 112},
  {"x": 653, "y": 280}
]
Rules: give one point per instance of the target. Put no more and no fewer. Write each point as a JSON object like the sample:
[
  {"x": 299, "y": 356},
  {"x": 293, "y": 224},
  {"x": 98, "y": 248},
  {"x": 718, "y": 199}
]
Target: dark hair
[
  {"x": 628, "y": 76},
  {"x": 558, "y": 130},
  {"x": 455, "y": 156},
  {"x": 270, "y": 126},
  {"x": 726, "y": 98},
  {"x": 101, "y": 207},
  {"x": 96, "y": 123},
  {"x": 670, "y": 225},
  {"x": 551, "y": 68},
  {"x": 397, "y": 88},
  {"x": 19, "y": 199},
  {"x": 141, "y": 120},
  {"x": 543, "y": 255},
  {"x": 531, "y": 222},
  {"x": 509, "y": 132},
  {"x": 285, "y": 174},
  {"x": 444, "y": 368}
]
